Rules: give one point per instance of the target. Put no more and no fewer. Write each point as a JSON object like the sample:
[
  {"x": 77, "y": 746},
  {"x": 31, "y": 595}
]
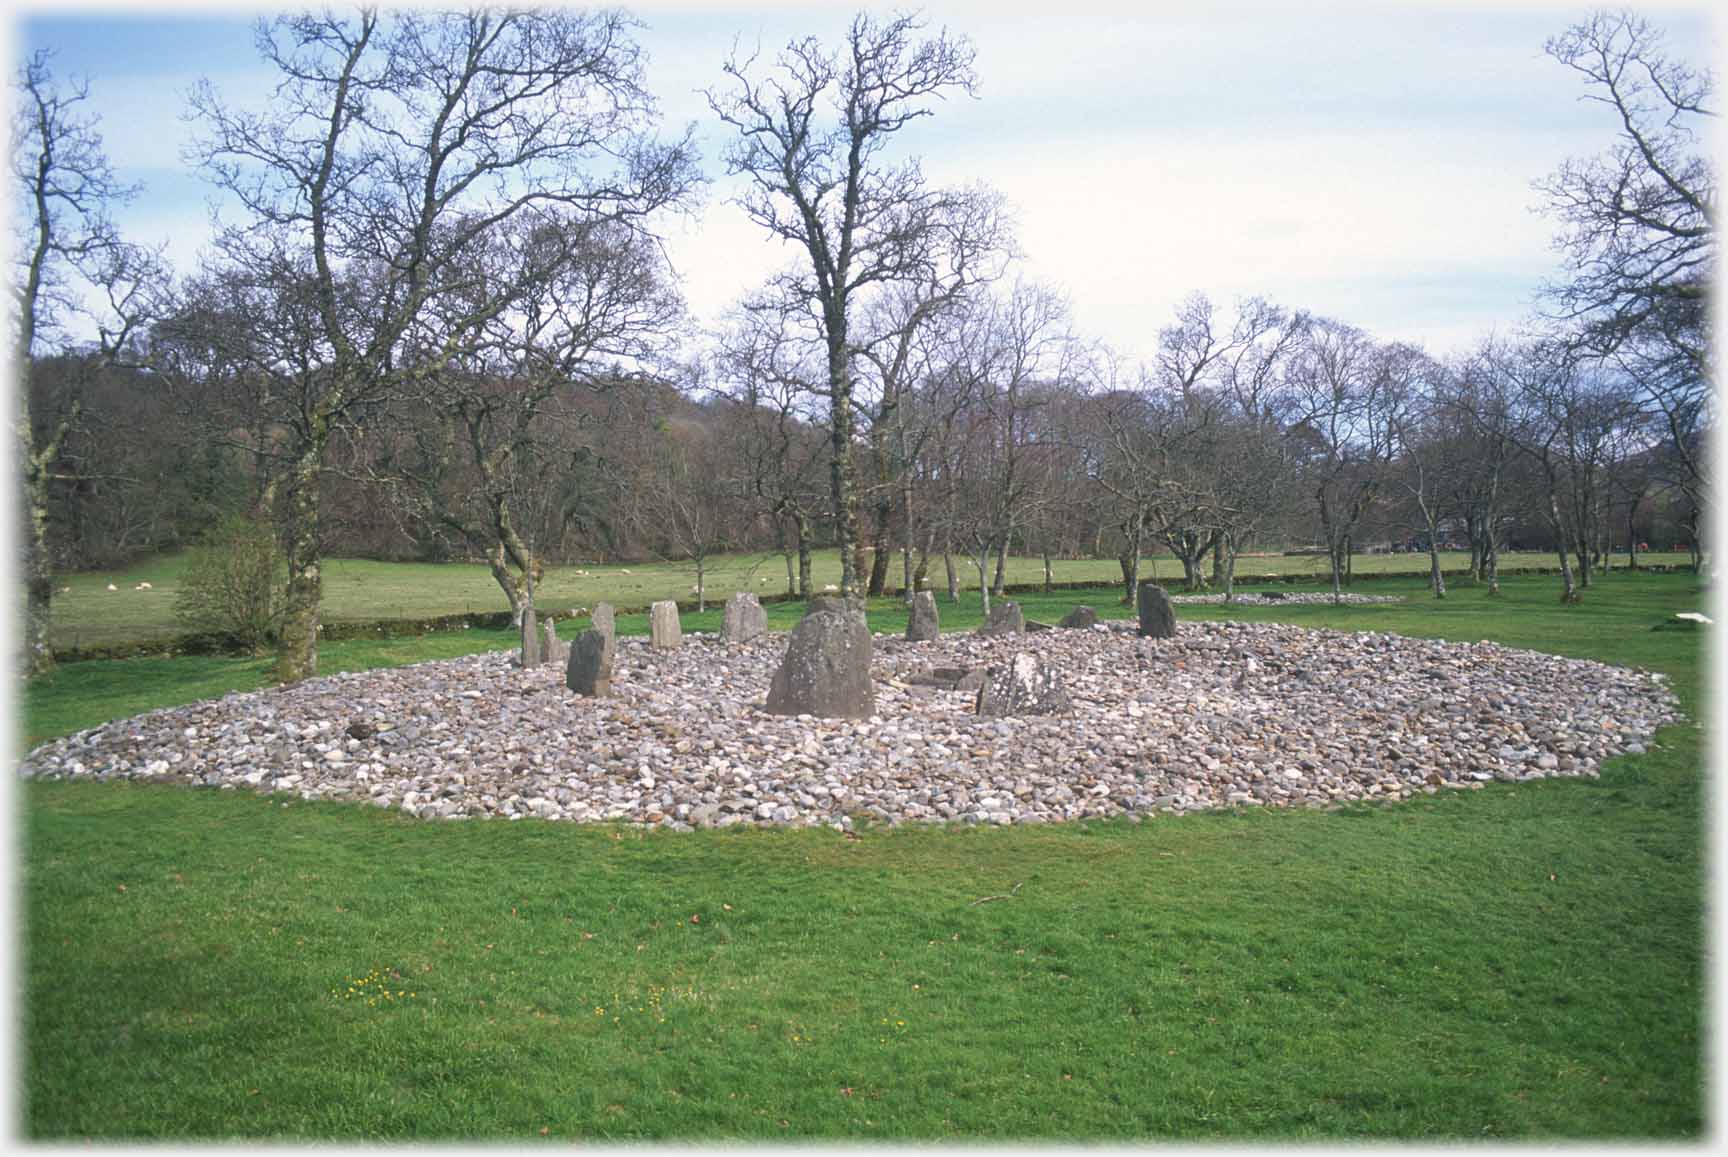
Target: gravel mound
[{"x": 1224, "y": 714}]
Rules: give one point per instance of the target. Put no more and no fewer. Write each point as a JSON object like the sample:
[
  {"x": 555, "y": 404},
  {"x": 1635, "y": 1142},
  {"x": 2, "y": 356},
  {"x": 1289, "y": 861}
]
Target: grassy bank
[
  {"x": 90, "y": 615},
  {"x": 1520, "y": 962}
]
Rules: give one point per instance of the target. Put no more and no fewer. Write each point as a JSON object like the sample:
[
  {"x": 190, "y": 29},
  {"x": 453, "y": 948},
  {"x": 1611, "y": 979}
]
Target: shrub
[{"x": 234, "y": 586}]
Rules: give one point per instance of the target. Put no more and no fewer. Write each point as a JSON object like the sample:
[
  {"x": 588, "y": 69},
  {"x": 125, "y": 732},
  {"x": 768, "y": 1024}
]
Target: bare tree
[
  {"x": 67, "y": 251},
  {"x": 389, "y": 153},
  {"x": 589, "y": 299},
  {"x": 859, "y": 221},
  {"x": 1638, "y": 228}
]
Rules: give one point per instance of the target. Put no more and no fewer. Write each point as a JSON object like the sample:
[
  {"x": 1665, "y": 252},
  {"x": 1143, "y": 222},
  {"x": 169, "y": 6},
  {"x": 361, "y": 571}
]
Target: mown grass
[
  {"x": 90, "y": 615},
  {"x": 1519, "y": 962}
]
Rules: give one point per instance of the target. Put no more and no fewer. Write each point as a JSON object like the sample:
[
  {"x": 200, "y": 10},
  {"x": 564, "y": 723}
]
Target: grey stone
[
  {"x": 1026, "y": 685},
  {"x": 1035, "y": 625},
  {"x": 826, "y": 669},
  {"x": 1005, "y": 619},
  {"x": 590, "y": 669},
  {"x": 1080, "y": 619},
  {"x": 925, "y": 624},
  {"x": 835, "y": 604},
  {"x": 602, "y": 619},
  {"x": 743, "y": 619},
  {"x": 530, "y": 639},
  {"x": 664, "y": 633},
  {"x": 1157, "y": 616},
  {"x": 552, "y": 649}
]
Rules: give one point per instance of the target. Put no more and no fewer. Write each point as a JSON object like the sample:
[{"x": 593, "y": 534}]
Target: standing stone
[
  {"x": 743, "y": 619},
  {"x": 826, "y": 669},
  {"x": 925, "y": 624},
  {"x": 1157, "y": 616},
  {"x": 1080, "y": 619},
  {"x": 664, "y": 634},
  {"x": 602, "y": 619},
  {"x": 1024, "y": 686},
  {"x": 837, "y": 604},
  {"x": 1005, "y": 619},
  {"x": 551, "y": 649},
  {"x": 590, "y": 669},
  {"x": 530, "y": 639}
]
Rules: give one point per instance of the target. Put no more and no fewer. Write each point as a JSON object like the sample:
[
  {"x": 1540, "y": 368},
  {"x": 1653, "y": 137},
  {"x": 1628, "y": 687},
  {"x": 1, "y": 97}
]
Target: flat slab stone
[{"x": 1025, "y": 685}]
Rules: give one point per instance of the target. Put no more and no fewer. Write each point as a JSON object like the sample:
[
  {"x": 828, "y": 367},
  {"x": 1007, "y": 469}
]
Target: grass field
[
  {"x": 1524, "y": 962},
  {"x": 90, "y": 615}
]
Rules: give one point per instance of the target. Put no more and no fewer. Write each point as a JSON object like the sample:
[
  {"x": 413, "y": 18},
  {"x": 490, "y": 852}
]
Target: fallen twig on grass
[{"x": 1009, "y": 895}]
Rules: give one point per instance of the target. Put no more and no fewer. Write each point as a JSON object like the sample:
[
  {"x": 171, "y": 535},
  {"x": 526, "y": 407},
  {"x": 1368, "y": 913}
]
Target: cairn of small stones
[{"x": 1222, "y": 715}]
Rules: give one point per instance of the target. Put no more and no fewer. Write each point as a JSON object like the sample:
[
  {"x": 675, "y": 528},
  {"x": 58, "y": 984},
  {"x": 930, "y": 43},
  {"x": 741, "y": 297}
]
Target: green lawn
[
  {"x": 1523, "y": 962},
  {"x": 90, "y": 615}
]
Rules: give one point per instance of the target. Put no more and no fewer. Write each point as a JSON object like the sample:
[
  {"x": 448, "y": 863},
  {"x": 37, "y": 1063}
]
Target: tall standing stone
[
  {"x": 1157, "y": 615},
  {"x": 664, "y": 633},
  {"x": 530, "y": 639},
  {"x": 743, "y": 619},
  {"x": 602, "y": 619},
  {"x": 551, "y": 649},
  {"x": 826, "y": 669},
  {"x": 590, "y": 668},
  {"x": 925, "y": 624},
  {"x": 1005, "y": 619}
]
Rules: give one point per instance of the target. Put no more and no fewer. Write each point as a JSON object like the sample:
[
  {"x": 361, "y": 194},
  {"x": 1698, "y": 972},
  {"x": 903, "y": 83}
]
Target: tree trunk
[
  {"x": 841, "y": 482},
  {"x": 803, "y": 555},
  {"x": 701, "y": 584},
  {"x": 1631, "y": 537},
  {"x": 1130, "y": 560},
  {"x": 881, "y": 547},
  {"x": 38, "y": 656},
  {"x": 982, "y": 561},
  {"x": 953, "y": 576},
  {"x": 1227, "y": 548},
  {"x": 1049, "y": 573},
  {"x": 514, "y": 592},
  {"x": 297, "y": 652},
  {"x": 1001, "y": 580},
  {"x": 1568, "y": 591},
  {"x": 1436, "y": 580}
]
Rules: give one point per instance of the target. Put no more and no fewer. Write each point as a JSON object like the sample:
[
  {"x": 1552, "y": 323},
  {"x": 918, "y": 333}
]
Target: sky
[{"x": 1369, "y": 162}]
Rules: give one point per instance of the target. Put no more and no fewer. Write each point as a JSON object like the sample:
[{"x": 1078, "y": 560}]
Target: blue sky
[{"x": 1370, "y": 162}]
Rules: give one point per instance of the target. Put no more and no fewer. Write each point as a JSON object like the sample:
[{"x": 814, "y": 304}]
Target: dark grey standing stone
[
  {"x": 826, "y": 669},
  {"x": 743, "y": 619},
  {"x": 602, "y": 619},
  {"x": 664, "y": 633},
  {"x": 1157, "y": 615},
  {"x": 590, "y": 669},
  {"x": 530, "y": 639},
  {"x": 925, "y": 624},
  {"x": 1080, "y": 619},
  {"x": 1005, "y": 619},
  {"x": 1026, "y": 685}
]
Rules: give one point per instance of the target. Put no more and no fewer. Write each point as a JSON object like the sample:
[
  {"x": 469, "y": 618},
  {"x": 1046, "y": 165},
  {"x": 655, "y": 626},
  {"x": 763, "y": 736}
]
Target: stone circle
[{"x": 1223, "y": 714}]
